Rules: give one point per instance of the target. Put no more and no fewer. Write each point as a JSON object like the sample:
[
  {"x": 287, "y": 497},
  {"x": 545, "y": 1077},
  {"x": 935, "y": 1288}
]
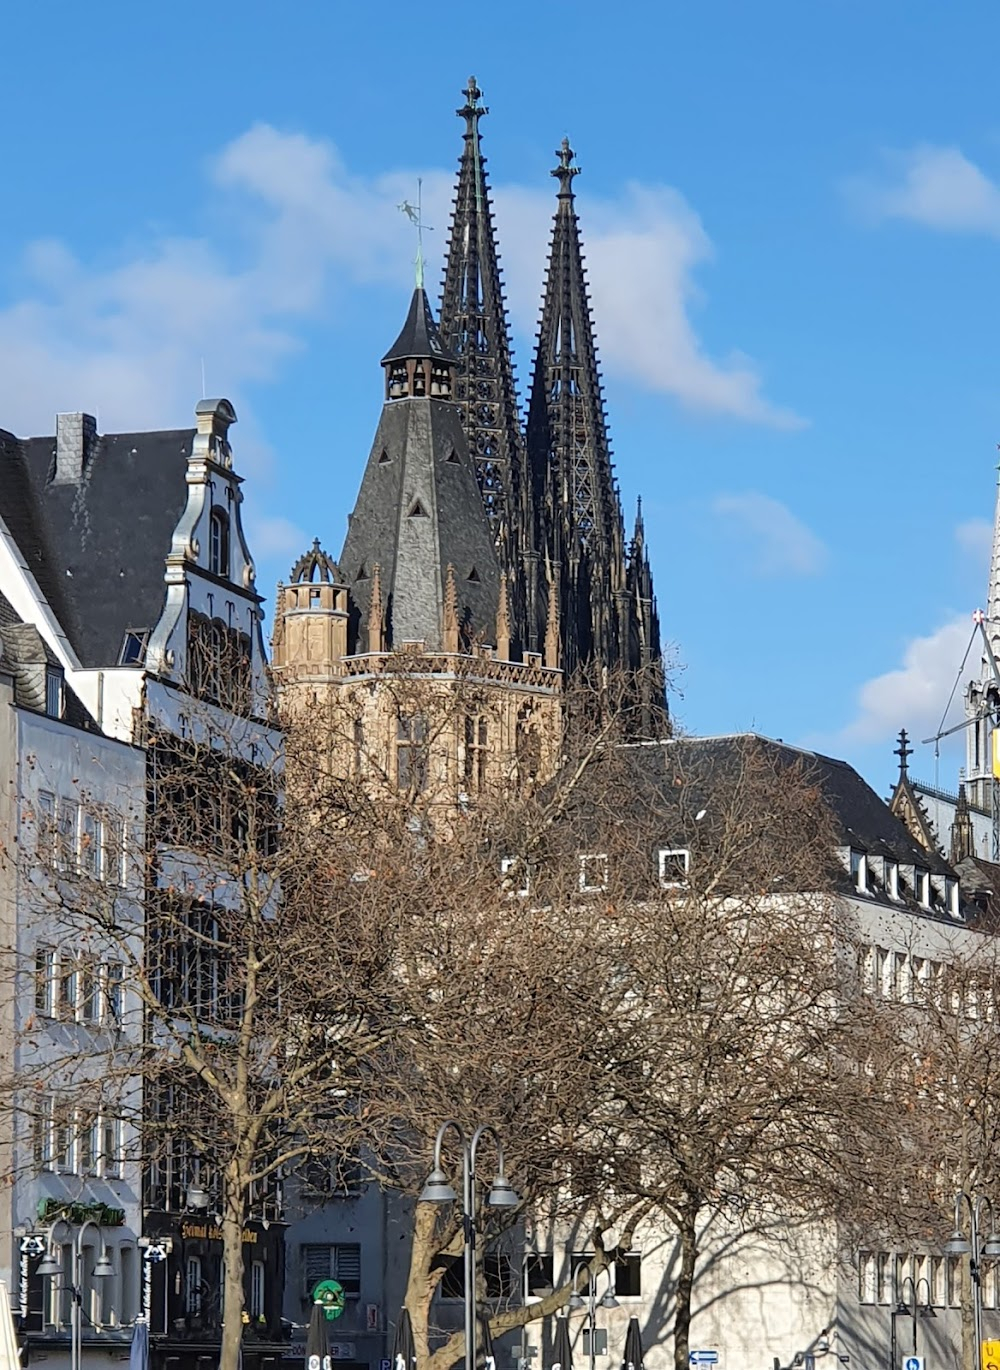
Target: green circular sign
[{"x": 329, "y": 1294}]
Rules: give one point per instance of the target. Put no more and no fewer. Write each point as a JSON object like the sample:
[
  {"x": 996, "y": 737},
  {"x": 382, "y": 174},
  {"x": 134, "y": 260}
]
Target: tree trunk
[
  {"x": 688, "y": 1239},
  {"x": 420, "y": 1288},
  {"x": 232, "y": 1252}
]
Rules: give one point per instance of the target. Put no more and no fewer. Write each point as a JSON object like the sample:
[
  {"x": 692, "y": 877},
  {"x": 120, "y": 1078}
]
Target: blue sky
[{"x": 792, "y": 219}]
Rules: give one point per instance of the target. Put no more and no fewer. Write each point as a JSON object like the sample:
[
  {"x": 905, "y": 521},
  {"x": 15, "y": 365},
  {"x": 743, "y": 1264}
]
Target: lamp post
[
  {"x": 904, "y": 1309},
  {"x": 576, "y": 1301},
  {"x": 49, "y": 1267},
  {"x": 438, "y": 1190},
  {"x": 958, "y": 1245}
]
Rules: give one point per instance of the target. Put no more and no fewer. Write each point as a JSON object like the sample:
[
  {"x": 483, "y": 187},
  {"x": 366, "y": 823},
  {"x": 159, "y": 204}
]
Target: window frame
[
  {"x": 584, "y": 884},
  {"x": 665, "y": 854}
]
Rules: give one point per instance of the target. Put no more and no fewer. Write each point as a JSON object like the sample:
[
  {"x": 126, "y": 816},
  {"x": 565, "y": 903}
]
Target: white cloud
[
  {"x": 935, "y": 186},
  {"x": 780, "y": 543},
  {"x": 294, "y": 230},
  {"x": 274, "y": 537},
  {"x": 914, "y": 694},
  {"x": 975, "y": 538}
]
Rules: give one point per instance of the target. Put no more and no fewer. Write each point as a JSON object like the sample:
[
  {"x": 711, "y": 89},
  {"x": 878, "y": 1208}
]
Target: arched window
[{"x": 218, "y": 543}]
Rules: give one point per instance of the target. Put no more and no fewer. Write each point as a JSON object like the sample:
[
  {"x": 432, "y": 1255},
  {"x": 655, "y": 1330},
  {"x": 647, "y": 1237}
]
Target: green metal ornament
[{"x": 329, "y": 1294}]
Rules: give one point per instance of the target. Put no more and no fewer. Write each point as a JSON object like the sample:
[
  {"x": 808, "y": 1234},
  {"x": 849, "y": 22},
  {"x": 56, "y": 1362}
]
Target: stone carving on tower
[{"x": 982, "y": 695}]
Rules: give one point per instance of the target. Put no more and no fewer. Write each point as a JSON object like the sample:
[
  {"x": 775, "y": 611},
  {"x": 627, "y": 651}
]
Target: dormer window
[
  {"x": 593, "y": 874},
  {"x": 859, "y": 871},
  {"x": 673, "y": 863},
  {"x": 54, "y": 692},
  {"x": 892, "y": 878},
  {"x": 922, "y": 886},
  {"x": 133, "y": 650},
  {"x": 218, "y": 543},
  {"x": 951, "y": 895}
]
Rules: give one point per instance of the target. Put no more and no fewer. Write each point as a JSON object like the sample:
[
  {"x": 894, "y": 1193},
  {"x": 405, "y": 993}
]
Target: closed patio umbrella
[
  {"x": 562, "y": 1351},
  {"x": 633, "y": 1347},
  {"x": 9, "y": 1359},
  {"x": 138, "y": 1353},
  {"x": 317, "y": 1340},
  {"x": 404, "y": 1353}
]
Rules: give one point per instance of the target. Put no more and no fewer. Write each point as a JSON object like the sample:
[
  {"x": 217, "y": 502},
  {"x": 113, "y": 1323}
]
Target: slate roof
[
  {"x": 418, "y": 511},
  {"x": 97, "y": 546},
  {"x": 419, "y": 336},
  {"x": 25, "y": 655}
]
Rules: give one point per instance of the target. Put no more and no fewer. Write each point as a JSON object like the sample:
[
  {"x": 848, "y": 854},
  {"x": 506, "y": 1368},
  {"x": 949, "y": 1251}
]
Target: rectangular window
[
  {"x": 42, "y": 1132},
  {"x": 881, "y": 971},
  {"x": 922, "y": 887},
  {"x": 476, "y": 752},
  {"x": 65, "y": 1151},
  {"x": 866, "y": 1277},
  {"x": 951, "y": 895},
  {"x": 257, "y": 1290},
  {"x": 628, "y": 1275},
  {"x": 45, "y": 837},
  {"x": 500, "y": 1275},
  {"x": 538, "y": 1274},
  {"x": 88, "y": 1142},
  {"x": 593, "y": 874},
  {"x": 66, "y": 830},
  {"x": 113, "y": 974},
  {"x": 673, "y": 864},
  {"x": 859, "y": 871},
  {"x": 88, "y": 991},
  {"x": 411, "y": 752},
  {"x": 67, "y": 984},
  {"x": 53, "y": 693},
  {"x": 953, "y": 1281},
  {"x": 341, "y": 1262},
  {"x": 892, "y": 879},
  {"x": 192, "y": 1286},
  {"x": 45, "y": 981},
  {"x": 90, "y": 845},
  {"x": 515, "y": 878},
  {"x": 452, "y": 1284},
  {"x": 884, "y": 1269},
  {"x": 111, "y": 1147}
]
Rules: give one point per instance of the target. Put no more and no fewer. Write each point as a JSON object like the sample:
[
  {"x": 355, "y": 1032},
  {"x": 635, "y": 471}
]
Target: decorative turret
[
  {"x": 474, "y": 327},
  {"x": 312, "y": 617},
  {"x": 418, "y": 365}
]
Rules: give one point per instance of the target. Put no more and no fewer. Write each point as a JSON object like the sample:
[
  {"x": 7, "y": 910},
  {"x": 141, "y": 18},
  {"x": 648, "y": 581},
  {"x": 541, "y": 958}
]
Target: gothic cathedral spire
[
  {"x": 474, "y": 328},
  {"x": 575, "y": 497}
]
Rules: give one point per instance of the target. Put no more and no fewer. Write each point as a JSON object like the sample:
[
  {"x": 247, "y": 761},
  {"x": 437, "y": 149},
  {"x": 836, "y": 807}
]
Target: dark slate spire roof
[
  {"x": 418, "y": 513},
  {"x": 474, "y": 326},
  {"x": 419, "y": 336}
]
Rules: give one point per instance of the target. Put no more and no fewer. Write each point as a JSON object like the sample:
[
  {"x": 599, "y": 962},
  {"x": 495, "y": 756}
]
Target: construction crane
[{"x": 988, "y": 711}]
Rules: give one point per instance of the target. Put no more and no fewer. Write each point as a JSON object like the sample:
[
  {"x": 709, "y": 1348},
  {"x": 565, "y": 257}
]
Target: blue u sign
[{"x": 913, "y": 1363}]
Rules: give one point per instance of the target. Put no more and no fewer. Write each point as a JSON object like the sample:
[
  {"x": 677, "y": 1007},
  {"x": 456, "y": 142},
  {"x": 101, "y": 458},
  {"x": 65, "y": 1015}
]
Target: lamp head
[
  {"x": 609, "y": 1301},
  {"x": 991, "y": 1247},
  {"x": 927, "y": 1311},
  {"x": 502, "y": 1193},
  {"x": 576, "y": 1301},
  {"x": 437, "y": 1190},
  {"x": 903, "y": 1310},
  {"x": 49, "y": 1267},
  {"x": 103, "y": 1267},
  {"x": 196, "y": 1197},
  {"x": 957, "y": 1244}
]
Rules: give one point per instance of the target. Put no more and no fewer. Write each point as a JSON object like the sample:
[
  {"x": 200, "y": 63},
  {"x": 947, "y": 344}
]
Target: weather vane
[{"x": 415, "y": 215}]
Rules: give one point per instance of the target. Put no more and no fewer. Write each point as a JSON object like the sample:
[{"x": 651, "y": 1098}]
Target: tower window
[
  {"x": 218, "y": 543},
  {"x": 384, "y": 459},
  {"x": 417, "y": 510},
  {"x": 411, "y": 752},
  {"x": 476, "y": 740}
]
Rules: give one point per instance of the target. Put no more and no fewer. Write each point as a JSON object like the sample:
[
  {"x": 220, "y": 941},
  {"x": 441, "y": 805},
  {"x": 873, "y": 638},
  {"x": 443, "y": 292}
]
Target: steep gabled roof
[{"x": 96, "y": 545}]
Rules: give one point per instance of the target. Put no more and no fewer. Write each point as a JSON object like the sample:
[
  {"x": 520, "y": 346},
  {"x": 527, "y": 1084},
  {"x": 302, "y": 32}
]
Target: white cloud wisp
[
  {"x": 937, "y": 187},
  {"x": 300, "y": 231},
  {"x": 779, "y": 542}
]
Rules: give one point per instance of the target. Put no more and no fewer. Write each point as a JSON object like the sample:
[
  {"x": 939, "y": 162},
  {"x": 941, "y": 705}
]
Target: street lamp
[
  {"x": 576, "y": 1301},
  {"x": 904, "y": 1309},
  {"x": 49, "y": 1267},
  {"x": 957, "y": 1245},
  {"x": 439, "y": 1190}
]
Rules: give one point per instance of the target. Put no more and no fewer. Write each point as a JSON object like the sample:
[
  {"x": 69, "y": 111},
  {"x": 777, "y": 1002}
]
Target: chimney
[{"x": 76, "y": 438}]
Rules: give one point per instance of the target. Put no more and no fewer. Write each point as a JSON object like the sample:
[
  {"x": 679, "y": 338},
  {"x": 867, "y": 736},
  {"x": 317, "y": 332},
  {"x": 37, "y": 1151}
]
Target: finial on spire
[
  {"x": 565, "y": 171},
  {"x": 551, "y": 654},
  {"x": 376, "y": 632},
  {"x": 903, "y": 751},
  {"x": 449, "y": 616},
  {"x": 415, "y": 215},
  {"x": 503, "y": 620},
  {"x": 472, "y": 111}
]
